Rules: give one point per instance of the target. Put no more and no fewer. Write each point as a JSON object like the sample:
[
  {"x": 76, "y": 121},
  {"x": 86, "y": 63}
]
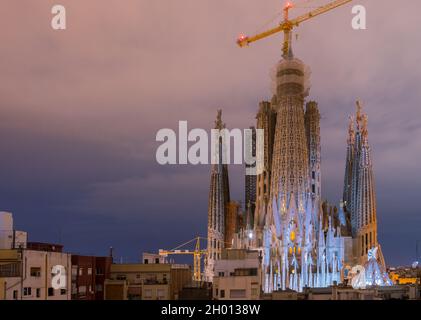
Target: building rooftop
[{"x": 43, "y": 246}]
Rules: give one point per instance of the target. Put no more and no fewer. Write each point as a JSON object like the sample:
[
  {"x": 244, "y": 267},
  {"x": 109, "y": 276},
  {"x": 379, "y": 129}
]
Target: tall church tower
[
  {"x": 290, "y": 166},
  {"x": 312, "y": 123},
  {"x": 250, "y": 186},
  {"x": 350, "y": 150},
  {"x": 219, "y": 197},
  {"x": 266, "y": 120},
  {"x": 293, "y": 212},
  {"x": 362, "y": 189}
]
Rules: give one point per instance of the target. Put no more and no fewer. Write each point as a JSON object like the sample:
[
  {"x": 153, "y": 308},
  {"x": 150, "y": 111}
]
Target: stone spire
[
  {"x": 266, "y": 120},
  {"x": 312, "y": 124},
  {"x": 359, "y": 187},
  {"x": 218, "y": 203},
  {"x": 218, "y": 122},
  {"x": 366, "y": 200},
  {"x": 346, "y": 198}
]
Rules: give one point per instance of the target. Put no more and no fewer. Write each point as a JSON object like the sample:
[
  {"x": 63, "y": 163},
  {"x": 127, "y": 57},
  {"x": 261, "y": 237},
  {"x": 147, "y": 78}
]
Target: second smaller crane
[{"x": 197, "y": 256}]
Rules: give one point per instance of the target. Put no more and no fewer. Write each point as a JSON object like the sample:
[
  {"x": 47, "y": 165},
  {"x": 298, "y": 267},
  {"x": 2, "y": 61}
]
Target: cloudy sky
[{"x": 80, "y": 108}]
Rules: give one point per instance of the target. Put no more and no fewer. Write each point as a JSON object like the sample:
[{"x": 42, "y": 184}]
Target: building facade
[
  {"x": 138, "y": 281},
  {"x": 303, "y": 240},
  {"x": 29, "y": 274},
  {"x": 237, "y": 276},
  {"x": 88, "y": 276},
  {"x": 31, "y": 270}
]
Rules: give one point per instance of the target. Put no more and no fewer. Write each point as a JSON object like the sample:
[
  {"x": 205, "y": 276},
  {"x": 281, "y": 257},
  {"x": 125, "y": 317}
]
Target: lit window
[{"x": 292, "y": 236}]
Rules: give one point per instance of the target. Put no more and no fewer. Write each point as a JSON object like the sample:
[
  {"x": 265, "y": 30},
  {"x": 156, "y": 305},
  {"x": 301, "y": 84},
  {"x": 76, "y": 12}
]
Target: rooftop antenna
[{"x": 111, "y": 254}]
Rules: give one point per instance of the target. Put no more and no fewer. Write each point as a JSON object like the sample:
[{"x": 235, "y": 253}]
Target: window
[
  {"x": 27, "y": 291},
  {"x": 254, "y": 291},
  {"x": 237, "y": 293},
  {"x": 99, "y": 287},
  {"x": 121, "y": 277},
  {"x": 35, "y": 272},
  {"x": 80, "y": 271},
  {"x": 222, "y": 293},
  {"x": 156, "y": 260},
  {"x": 74, "y": 271},
  {"x": 15, "y": 294},
  {"x": 146, "y": 261},
  {"x": 50, "y": 292},
  {"x": 63, "y": 291},
  {"x": 216, "y": 291},
  {"x": 82, "y": 289},
  {"x": 38, "y": 292},
  {"x": 160, "y": 294},
  {"x": 148, "y": 293},
  {"x": 89, "y": 271},
  {"x": 220, "y": 274}
]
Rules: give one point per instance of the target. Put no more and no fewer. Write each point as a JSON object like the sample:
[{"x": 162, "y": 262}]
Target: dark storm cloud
[{"x": 80, "y": 110}]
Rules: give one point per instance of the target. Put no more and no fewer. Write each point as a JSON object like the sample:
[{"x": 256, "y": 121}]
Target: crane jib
[{"x": 287, "y": 25}]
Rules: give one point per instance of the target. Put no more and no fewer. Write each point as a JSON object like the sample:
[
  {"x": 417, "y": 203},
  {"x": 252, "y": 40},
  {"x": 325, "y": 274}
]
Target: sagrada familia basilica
[{"x": 303, "y": 240}]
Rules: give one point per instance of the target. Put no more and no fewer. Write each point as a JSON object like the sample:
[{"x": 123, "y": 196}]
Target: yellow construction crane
[
  {"x": 287, "y": 25},
  {"x": 197, "y": 256}
]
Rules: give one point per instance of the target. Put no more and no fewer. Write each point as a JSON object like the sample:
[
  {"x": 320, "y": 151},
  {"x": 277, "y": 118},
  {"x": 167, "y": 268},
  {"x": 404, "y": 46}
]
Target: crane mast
[{"x": 288, "y": 25}]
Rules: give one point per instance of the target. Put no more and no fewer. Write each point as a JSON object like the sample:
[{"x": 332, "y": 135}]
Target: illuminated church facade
[{"x": 303, "y": 241}]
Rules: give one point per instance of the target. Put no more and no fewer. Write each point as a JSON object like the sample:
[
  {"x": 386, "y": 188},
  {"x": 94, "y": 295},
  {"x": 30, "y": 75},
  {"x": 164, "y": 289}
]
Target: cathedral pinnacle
[
  {"x": 218, "y": 123},
  {"x": 359, "y": 114},
  {"x": 351, "y": 130}
]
